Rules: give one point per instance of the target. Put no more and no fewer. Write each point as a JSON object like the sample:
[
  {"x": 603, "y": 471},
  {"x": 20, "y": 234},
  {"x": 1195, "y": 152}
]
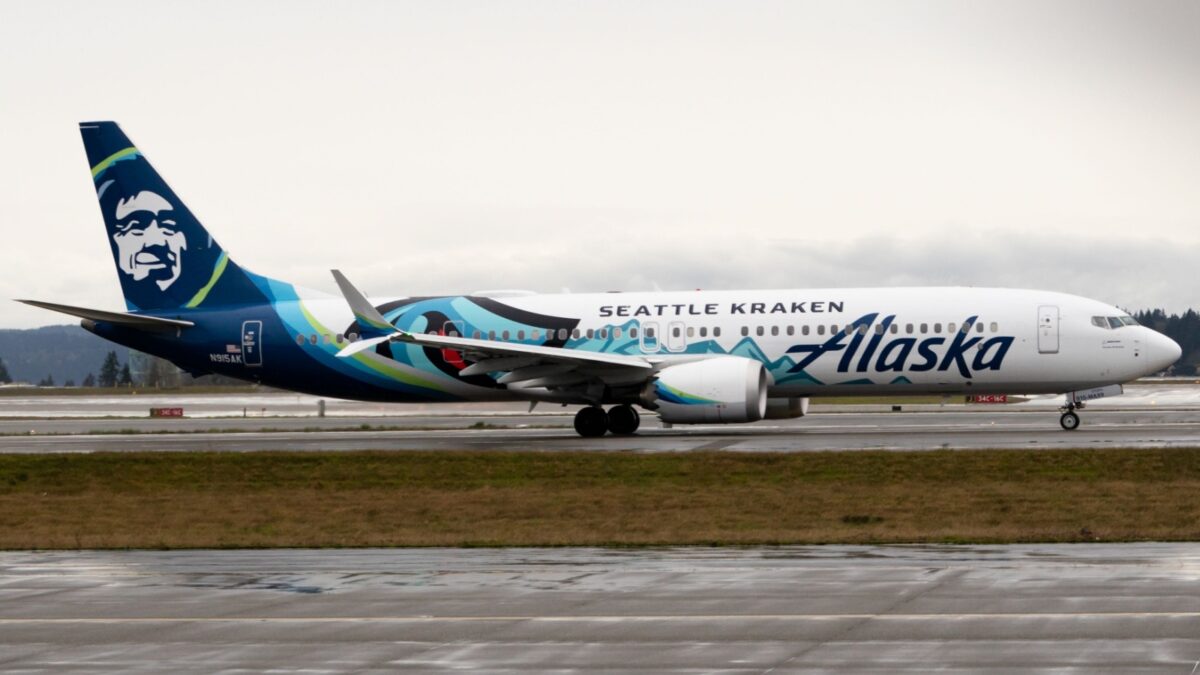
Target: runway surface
[
  {"x": 1002, "y": 609},
  {"x": 958, "y": 429}
]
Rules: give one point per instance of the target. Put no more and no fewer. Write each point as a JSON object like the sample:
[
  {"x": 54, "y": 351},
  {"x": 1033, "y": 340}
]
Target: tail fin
[{"x": 164, "y": 256}]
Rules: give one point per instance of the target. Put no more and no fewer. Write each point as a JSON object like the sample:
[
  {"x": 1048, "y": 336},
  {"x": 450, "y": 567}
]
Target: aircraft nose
[{"x": 1162, "y": 351}]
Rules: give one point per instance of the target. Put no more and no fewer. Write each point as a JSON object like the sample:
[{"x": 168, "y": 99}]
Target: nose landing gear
[{"x": 1069, "y": 419}]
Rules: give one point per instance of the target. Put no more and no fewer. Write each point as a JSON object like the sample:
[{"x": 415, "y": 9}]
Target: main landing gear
[
  {"x": 1069, "y": 419},
  {"x": 592, "y": 421}
]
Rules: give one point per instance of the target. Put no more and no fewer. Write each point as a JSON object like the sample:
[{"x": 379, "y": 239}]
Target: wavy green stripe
[
  {"x": 127, "y": 153},
  {"x": 218, "y": 270}
]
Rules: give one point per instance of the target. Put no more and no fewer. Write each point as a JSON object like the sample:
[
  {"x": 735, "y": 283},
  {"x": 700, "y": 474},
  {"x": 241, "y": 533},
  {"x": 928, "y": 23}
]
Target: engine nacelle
[
  {"x": 787, "y": 408},
  {"x": 719, "y": 390}
]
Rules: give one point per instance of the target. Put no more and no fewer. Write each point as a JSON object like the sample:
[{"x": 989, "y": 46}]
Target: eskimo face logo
[{"x": 149, "y": 242}]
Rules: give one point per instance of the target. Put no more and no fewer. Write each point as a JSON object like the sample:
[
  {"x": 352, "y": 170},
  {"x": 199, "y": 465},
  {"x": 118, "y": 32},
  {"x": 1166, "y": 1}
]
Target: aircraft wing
[{"x": 524, "y": 366}]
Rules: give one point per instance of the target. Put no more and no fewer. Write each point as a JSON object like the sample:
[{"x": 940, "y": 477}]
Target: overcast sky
[{"x": 456, "y": 146}]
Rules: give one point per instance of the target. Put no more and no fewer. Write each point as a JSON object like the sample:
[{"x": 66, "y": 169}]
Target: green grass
[{"x": 188, "y": 500}]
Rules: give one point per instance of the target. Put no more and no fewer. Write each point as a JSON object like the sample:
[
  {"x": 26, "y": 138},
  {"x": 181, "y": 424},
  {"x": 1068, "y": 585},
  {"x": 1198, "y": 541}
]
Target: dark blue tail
[{"x": 165, "y": 258}]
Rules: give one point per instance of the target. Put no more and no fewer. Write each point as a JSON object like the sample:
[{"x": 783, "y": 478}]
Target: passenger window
[
  {"x": 575, "y": 334},
  {"x": 804, "y": 330},
  {"x": 299, "y": 339},
  {"x": 617, "y": 332},
  {"x": 562, "y": 334},
  {"x": 937, "y": 328},
  {"x": 491, "y": 335},
  {"x": 590, "y": 333},
  {"x": 791, "y": 330},
  {"x": 821, "y": 329},
  {"x": 833, "y": 329},
  {"x": 759, "y": 331},
  {"x": 340, "y": 338},
  {"x": 521, "y": 334},
  {"x": 603, "y": 333},
  {"x": 312, "y": 339},
  {"x": 703, "y": 331},
  {"x": 995, "y": 327},
  {"x": 535, "y": 334},
  {"x": 774, "y": 331},
  {"x": 924, "y": 328},
  {"x": 675, "y": 331},
  {"x": 353, "y": 337},
  {"x": 745, "y": 331},
  {"x": 978, "y": 326},
  {"x": 504, "y": 335},
  {"x": 949, "y": 328},
  {"x": 908, "y": 328},
  {"x": 691, "y": 332},
  {"x": 633, "y": 332},
  {"x": 649, "y": 332},
  {"x": 895, "y": 328},
  {"x": 716, "y": 331}
]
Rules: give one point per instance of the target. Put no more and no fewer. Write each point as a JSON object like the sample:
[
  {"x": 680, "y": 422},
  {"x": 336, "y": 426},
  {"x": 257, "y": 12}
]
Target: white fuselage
[{"x": 902, "y": 340}]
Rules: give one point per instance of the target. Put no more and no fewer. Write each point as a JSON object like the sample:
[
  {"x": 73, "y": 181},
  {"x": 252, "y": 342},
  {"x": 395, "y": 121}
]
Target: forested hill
[
  {"x": 69, "y": 353},
  {"x": 65, "y": 353}
]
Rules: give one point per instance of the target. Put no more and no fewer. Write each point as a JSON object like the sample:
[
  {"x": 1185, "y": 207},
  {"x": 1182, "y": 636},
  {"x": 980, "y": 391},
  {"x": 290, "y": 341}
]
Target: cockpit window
[{"x": 1113, "y": 322}]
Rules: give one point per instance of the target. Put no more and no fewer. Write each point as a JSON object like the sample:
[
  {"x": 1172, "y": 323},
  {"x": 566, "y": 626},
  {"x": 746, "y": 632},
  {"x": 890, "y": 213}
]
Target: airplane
[{"x": 695, "y": 357}]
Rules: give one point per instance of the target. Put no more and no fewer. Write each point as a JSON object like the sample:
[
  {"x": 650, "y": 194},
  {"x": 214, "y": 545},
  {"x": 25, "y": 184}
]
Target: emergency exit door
[{"x": 1048, "y": 329}]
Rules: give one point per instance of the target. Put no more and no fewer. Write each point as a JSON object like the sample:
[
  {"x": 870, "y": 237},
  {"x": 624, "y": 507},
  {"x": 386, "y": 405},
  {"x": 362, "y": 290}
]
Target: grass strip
[{"x": 459, "y": 498}]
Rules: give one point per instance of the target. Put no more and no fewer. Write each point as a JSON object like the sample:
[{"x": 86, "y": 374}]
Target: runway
[
  {"x": 1003, "y": 609},
  {"x": 958, "y": 429}
]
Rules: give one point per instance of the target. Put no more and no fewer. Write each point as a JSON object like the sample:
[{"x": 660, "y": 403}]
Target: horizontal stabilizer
[{"x": 119, "y": 318}]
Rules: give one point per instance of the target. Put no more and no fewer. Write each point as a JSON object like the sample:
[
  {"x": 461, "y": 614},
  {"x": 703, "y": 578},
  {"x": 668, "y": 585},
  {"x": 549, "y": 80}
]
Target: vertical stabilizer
[{"x": 164, "y": 256}]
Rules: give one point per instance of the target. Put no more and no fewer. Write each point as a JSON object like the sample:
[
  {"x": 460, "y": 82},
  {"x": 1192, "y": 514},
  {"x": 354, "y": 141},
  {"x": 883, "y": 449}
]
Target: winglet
[{"x": 369, "y": 319}]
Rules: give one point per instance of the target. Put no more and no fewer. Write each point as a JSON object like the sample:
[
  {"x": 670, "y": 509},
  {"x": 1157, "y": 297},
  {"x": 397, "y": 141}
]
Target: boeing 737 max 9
[{"x": 691, "y": 357}]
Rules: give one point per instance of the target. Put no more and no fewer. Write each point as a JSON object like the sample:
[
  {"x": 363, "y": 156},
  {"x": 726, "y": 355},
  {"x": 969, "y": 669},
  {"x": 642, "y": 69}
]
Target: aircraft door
[
  {"x": 676, "y": 337},
  {"x": 252, "y": 343},
  {"x": 650, "y": 337},
  {"x": 1048, "y": 329}
]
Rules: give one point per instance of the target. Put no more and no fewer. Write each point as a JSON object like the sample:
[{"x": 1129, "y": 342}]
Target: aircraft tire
[
  {"x": 1069, "y": 421},
  {"x": 623, "y": 420},
  {"x": 591, "y": 422}
]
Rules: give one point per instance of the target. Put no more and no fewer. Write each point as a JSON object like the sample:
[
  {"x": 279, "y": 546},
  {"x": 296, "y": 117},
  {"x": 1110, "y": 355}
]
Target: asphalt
[
  {"x": 954, "y": 428},
  {"x": 1000, "y": 609}
]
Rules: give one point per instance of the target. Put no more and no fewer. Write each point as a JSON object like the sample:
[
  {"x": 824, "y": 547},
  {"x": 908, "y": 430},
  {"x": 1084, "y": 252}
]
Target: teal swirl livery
[{"x": 702, "y": 357}]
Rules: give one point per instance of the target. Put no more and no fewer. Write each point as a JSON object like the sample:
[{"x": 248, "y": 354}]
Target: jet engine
[{"x": 719, "y": 390}]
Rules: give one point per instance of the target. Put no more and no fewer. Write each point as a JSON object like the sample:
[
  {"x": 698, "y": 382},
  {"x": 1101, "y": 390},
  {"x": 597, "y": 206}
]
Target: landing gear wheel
[
  {"x": 1069, "y": 420},
  {"x": 623, "y": 419},
  {"x": 591, "y": 422}
]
